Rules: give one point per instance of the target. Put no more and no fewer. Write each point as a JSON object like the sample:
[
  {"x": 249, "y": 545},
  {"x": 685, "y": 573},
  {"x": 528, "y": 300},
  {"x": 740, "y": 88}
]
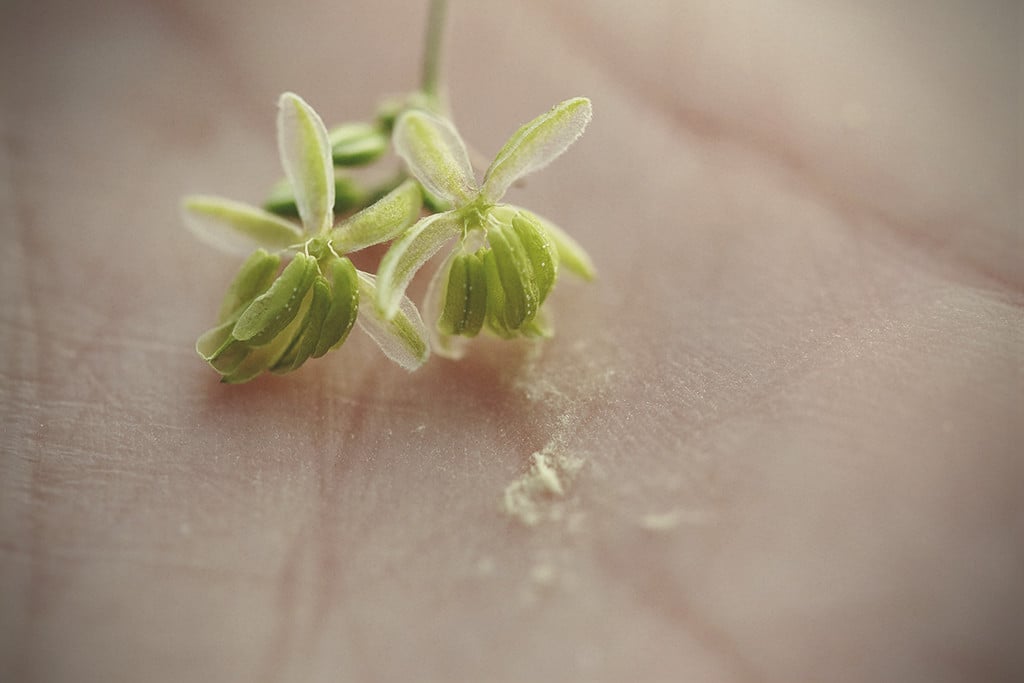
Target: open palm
[{"x": 786, "y": 417}]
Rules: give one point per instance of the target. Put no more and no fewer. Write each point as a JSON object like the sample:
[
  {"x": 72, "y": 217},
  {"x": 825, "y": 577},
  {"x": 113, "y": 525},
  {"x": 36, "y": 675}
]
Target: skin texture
[{"x": 795, "y": 388}]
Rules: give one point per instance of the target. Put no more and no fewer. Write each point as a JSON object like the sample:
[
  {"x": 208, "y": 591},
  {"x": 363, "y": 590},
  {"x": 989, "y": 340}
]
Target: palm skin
[{"x": 795, "y": 386}]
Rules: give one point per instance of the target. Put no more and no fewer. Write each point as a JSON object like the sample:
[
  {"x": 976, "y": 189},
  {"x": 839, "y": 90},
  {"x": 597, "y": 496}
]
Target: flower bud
[{"x": 355, "y": 144}]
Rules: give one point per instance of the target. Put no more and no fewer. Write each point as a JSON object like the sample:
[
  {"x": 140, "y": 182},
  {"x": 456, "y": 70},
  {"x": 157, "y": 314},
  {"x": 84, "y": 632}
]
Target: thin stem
[{"x": 432, "y": 49}]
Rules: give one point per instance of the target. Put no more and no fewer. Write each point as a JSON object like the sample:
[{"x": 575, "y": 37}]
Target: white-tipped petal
[
  {"x": 403, "y": 338},
  {"x": 435, "y": 155},
  {"x": 306, "y": 157},
  {"x": 381, "y": 221},
  {"x": 236, "y": 227},
  {"x": 408, "y": 254},
  {"x": 536, "y": 145}
]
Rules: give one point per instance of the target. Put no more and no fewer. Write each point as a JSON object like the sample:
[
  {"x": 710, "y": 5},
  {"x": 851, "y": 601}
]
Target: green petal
[
  {"x": 536, "y": 144},
  {"x": 381, "y": 221},
  {"x": 358, "y": 143},
  {"x": 253, "y": 278},
  {"x": 435, "y": 155},
  {"x": 570, "y": 254},
  {"x": 453, "y": 312},
  {"x": 341, "y": 316},
  {"x": 306, "y": 157},
  {"x": 465, "y": 300},
  {"x": 262, "y": 358},
  {"x": 540, "y": 250},
  {"x": 408, "y": 254},
  {"x": 403, "y": 337},
  {"x": 236, "y": 227},
  {"x": 495, "y": 297},
  {"x": 306, "y": 340},
  {"x": 273, "y": 310},
  {"x": 217, "y": 346},
  {"x": 515, "y": 272}
]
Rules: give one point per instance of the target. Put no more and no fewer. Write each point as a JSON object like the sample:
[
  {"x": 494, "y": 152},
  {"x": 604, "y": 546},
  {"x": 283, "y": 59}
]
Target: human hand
[{"x": 794, "y": 390}]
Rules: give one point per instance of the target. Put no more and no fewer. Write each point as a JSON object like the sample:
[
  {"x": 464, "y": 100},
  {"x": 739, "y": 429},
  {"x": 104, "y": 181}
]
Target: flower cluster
[
  {"x": 503, "y": 265},
  {"x": 275, "y": 321},
  {"x": 505, "y": 259}
]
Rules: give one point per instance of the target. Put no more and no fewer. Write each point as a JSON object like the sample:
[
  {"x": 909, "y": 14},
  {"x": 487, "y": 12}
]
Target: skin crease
[{"x": 795, "y": 387}]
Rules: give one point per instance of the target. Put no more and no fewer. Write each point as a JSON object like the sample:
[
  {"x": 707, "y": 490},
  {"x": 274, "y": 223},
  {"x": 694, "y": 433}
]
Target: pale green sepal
[
  {"x": 212, "y": 342},
  {"x": 306, "y": 157},
  {"x": 570, "y": 254},
  {"x": 536, "y": 144},
  {"x": 253, "y": 278},
  {"x": 408, "y": 253},
  {"x": 273, "y": 310},
  {"x": 348, "y": 195},
  {"x": 357, "y": 143},
  {"x": 402, "y": 338},
  {"x": 381, "y": 221},
  {"x": 262, "y": 358},
  {"x": 236, "y": 227},
  {"x": 435, "y": 155},
  {"x": 341, "y": 316}
]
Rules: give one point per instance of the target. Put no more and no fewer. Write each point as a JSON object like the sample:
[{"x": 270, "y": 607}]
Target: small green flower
[
  {"x": 276, "y": 321},
  {"x": 506, "y": 259}
]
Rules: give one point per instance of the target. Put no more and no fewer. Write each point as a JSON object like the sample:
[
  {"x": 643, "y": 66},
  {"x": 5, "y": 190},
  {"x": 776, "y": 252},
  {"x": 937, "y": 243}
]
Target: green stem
[{"x": 432, "y": 49}]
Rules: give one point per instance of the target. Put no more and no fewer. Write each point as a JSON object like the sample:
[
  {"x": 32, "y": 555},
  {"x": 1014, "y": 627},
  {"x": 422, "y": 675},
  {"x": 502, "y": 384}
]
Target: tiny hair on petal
[
  {"x": 537, "y": 144},
  {"x": 403, "y": 337},
  {"x": 436, "y": 155}
]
